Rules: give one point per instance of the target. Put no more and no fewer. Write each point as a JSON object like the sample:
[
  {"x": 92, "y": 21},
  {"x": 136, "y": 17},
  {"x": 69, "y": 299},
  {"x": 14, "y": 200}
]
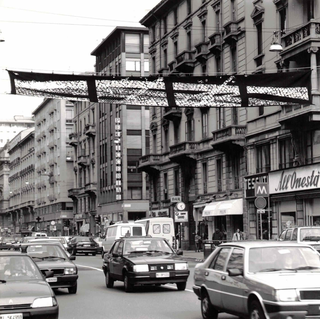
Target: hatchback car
[
  {"x": 82, "y": 244},
  {"x": 260, "y": 279},
  {"x": 51, "y": 256},
  {"x": 23, "y": 289},
  {"x": 144, "y": 261}
]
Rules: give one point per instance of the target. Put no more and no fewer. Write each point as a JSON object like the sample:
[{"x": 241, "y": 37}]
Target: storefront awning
[{"x": 223, "y": 208}]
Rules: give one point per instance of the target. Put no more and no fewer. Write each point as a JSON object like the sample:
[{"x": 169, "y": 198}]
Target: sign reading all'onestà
[{"x": 295, "y": 179}]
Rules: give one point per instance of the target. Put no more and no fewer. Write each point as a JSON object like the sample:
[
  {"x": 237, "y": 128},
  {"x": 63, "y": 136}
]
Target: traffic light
[{"x": 97, "y": 219}]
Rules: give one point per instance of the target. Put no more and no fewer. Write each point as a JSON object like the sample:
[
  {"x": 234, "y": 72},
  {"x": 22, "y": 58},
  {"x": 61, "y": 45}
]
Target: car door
[
  {"x": 233, "y": 288},
  {"x": 214, "y": 276},
  {"x": 118, "y": 261}
]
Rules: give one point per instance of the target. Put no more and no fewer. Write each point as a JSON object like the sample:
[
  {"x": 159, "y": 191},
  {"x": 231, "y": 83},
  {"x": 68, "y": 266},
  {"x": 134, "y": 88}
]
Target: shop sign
[
  {"x": 250, "y": 184},
  {"x": 294, "y": 179},
  {"x": 181, "y": 216},
  {"x": 160, "y": 213}
]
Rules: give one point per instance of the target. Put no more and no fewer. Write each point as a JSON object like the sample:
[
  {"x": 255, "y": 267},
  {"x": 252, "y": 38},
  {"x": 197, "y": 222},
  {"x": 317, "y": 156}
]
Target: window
[
  {"x": 263, "y": 158},
  {"x": 235, "y": 171},
  {"x": 205, "y": 177},
  {"x": 286, "y": 155},
  {"x": 165, "y": 25},
  {"x": 132, "y": 65},
  {"x": 259, "y": 38},
  {"x": 146, "y": 43},
  {"x": 175, "y": 48},
  {"x": 221, "y": 118},
  {"x": 166, "y": 140},
  {"x": 132, "y": 43},
  {"x": 235, "y": 115},
  {"x": 175, "y": 16},
  {"x": 236, "y": 259},
  {"x": 233, "y": 58},
  {"x": 233, "y": 6},
  {"x": 176, "y": 133},
  {"x": 154, "y": 143},
  {"x": 204, "y": 122},
  {"x": 189, "y": 7},
  {"x": 190, "y": 129},
  {"x": 204, "y": 30},
  {"x": 219, "y": 174},
  {"x": 189, "y": 41},
  {"x": 176, "y": 182},
  {"x": 165, "y": 58},
  {"x": 220, "y": 260},
  {"x": 146, "y": 65},
  {"x": 283, "y": 18},
  {"x": 165, "y": 186}
]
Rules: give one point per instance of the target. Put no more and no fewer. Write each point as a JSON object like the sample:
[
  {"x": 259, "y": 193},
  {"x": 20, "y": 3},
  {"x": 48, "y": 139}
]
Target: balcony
[
  {"x": 91, "y": 188},
  {"x": 300, "y": 40},
  {"x": 232, "y": 31},
  {"x": 74, "y": 192},
  {"x": 172, "y": 113},
  {"x": 185, "y": 61},
  {"x": 83, "y": 160},
  {"x": 73, "y": 137},
  {"x": 215, "y": 43},
  {"x": 183, "y": 152},
  {"x": 229, "y": 137},
  {"x": 202, "y": 51},
  {"x": 172, "y": 66},
  {"x": 150, "y": 163},
  {"x": 90, "y": 130},
  {"x": 52, "y": 198}
]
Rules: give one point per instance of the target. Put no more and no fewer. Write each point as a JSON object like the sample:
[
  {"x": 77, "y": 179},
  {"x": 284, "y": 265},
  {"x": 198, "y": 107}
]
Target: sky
[{"x": 56, "y": 36}]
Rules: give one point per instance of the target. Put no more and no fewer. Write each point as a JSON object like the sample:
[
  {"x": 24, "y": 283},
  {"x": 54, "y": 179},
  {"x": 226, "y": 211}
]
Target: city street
[{"x": 94, "y": 300}]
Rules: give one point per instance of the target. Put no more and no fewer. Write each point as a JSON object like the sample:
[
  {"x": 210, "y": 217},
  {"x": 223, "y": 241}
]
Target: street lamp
[{"x": 275, "y": 44}]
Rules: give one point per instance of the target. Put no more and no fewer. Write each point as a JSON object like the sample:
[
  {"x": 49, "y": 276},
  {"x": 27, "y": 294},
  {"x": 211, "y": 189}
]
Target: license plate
[
  {"x": 12, "y": 316},
  {"x": 51, "y": 279},
  {"x": 162, "y": 274},
  {"x": 86, "y": 245}
]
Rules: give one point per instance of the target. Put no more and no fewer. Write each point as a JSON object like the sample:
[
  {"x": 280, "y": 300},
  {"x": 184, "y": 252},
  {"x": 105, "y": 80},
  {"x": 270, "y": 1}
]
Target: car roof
[
  {"x": 10, "y": 253},
  {"x": 302, "y": 227},
  {"x": 261, "y": 243}
]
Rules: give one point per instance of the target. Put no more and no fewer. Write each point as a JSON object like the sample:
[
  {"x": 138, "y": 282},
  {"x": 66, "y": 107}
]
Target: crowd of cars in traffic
[{"x": 255, "y": 279}]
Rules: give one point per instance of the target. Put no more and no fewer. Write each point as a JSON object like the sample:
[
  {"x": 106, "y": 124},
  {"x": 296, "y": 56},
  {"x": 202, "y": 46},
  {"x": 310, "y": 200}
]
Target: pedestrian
[
  {"x": 237, "y": 235},
  {"x": 197, "y": 239},
  {"x": 217, "y": 237}
]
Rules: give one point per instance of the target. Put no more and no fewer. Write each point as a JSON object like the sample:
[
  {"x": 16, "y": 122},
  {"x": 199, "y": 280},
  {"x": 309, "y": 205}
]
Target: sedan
[
  {"x": 7, "y": 243},
  {"x": 24, "y": 290},
  {"x": 144, "y": 261},
  {"x": 51, "y": 256},
  {"x": 82, "y": 244},
  {"x": 260, "y": 279}
]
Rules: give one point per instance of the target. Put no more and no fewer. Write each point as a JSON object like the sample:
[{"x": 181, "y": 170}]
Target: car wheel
[
  {"x": 128, "y": 287},
  {"x": 207, "y": 310},
  {"x": 73, "y": 290},
  {"x": 109, "y": 280},
  {"x": 181, "y": 286},
  {"x": 256, "y": 311}
]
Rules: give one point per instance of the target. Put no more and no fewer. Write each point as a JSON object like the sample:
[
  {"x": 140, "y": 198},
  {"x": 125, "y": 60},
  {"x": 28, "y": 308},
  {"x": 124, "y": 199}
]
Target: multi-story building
[
  {"x": 4, "y": 189},
  {"x": 20, "y": 213},
  {"x": 122, "y": 131},
  {"x": 54, "y": 166},
  {"x": 10, "y": 127},
  {"x": 84, "y": 191},
  {"x": 204, "y": 155}
]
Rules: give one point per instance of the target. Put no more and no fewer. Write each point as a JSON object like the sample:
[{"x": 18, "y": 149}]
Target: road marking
[{"x": 90, "y": 267}]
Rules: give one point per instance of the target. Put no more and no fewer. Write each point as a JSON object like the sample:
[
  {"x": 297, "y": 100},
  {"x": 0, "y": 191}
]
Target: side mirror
[
  {"x": 233, "y": 272},
  {"x": 72, "y": 257},
  {"x": 115, "y": 255},
  {"x": 179, "y": 252}
]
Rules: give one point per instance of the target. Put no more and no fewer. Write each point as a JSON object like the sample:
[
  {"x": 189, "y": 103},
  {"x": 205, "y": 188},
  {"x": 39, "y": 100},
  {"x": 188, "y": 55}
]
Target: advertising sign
[{"x": 181, "y": 216}]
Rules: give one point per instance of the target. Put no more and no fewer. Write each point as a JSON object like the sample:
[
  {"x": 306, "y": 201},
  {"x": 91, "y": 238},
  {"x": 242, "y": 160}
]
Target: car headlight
[
  {"x": 287, "y": 295},
  {"x": 181, "y": 266},
  {"x": 44, "y": 302},
  {"x": 140, "y": 268},
  {"x": 70, "y": 271}
]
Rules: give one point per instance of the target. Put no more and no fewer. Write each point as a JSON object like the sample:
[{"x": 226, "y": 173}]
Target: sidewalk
[{"x": 193, "y": 255}]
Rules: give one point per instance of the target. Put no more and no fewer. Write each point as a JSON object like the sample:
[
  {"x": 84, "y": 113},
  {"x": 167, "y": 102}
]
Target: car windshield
[
  {"x": 147, "y": 246},
  {"x": 265, "y": 259},
  {"x": 18, "y": 268},
  {"x": 39, "y": 251},
  {"x": 310, "y": 234}
]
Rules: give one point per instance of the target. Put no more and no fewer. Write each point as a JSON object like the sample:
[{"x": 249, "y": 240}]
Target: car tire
[
  {"x": 73, "y": 289},
  {"x": 181, "y": 286},
  {"x": 207, "y": 310},
  {"x": 128, "y": 287},
  {"x": 256, "y": 310},
  {"x": 109, "y": 280}
]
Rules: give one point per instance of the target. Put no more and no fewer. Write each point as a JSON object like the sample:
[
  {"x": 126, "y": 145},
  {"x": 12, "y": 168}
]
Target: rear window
[
  {"x": 137, "y": 231},
  {"x": 166, "y": 228}
]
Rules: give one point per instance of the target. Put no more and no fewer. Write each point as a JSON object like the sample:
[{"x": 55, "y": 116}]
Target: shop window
[{"x": 288, "y": 220}]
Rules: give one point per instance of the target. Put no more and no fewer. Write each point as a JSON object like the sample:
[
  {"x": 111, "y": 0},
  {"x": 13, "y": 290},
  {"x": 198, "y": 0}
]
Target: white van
[
  {"x": 118, "y": 230},
  {"x": 159, "y": 227}
]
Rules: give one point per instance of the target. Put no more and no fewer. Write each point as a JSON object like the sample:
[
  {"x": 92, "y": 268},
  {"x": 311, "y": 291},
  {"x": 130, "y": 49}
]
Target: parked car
[
  {"x": 24, "y": 290},
  {"x": 307, "y": 235},
  {"x": 51, "y": 256},
  {"x": 144, "y": 261},
  {"x": 82, "y": 244},
  {"x": 259, "y": 279}
]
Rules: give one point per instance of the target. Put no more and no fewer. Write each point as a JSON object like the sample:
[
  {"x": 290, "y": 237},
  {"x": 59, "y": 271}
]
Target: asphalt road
[{"x": 94, "y": 300}]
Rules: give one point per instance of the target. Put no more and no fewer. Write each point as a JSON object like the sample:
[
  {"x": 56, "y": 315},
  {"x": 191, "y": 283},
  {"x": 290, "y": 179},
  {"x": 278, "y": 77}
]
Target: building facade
[
  {"x": 211, "y": 158},
  {"x": 20, "y": 213},
  {"x": 54, "y": 167}
]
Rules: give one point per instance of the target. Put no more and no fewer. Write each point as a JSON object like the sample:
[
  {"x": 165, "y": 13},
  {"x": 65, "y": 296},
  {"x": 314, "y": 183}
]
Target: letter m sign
[{"x": 261, "y": 189}]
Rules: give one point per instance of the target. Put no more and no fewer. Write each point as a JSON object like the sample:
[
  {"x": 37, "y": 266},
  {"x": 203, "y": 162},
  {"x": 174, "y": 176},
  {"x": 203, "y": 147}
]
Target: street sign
[
  {"x": 175, "y": 199},
  {"x": 261, "y": 211},
  {"x": 260, "y": 202},
  {"x": 261, "y": 189},
  {"x": 181, "y": 216}
]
